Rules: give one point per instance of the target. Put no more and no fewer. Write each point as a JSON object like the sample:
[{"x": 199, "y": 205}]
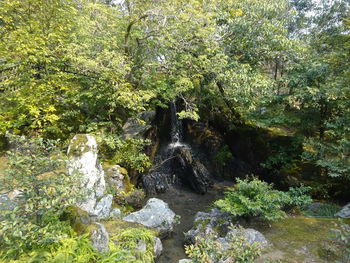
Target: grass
[{"x": 323, "y": 210}]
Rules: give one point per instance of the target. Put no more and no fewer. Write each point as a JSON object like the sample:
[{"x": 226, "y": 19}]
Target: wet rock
[
  {"x": 156, "y": 182},
  {"x": 200, "y": 178},
  {"x": 115, "y": 178},
  {"x": 213, "y": 144},
  {"x": 345, "y": 212},
  {"x": 155, "y": 214},
  {"x": 191, "y": 172},
  {"x": 103, "y": 207},
  {"x": 137, "y": 127},
  {"x": 83, "y": 152},
  {"x": 158, "y": 247},
  {"x": 99, "y": 237}
]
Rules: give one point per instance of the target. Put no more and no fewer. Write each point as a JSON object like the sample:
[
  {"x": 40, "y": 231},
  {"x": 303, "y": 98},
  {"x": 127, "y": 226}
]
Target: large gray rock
[
  {"x": 99, "y": 238},
  {"x": 185, "y": 260},
  {"x": 83, "y": 155},
  {"x": 103, "y": 207},
  {"x": 345, "y": 212},
  {"x": 155, "y": 214},
  {"x": 83, "y": 152}
]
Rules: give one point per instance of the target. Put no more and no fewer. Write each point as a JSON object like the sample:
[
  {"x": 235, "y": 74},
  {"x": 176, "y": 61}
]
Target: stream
[
  {"x": 185, "y": 203},
  {"x": 178, "y": 178}
]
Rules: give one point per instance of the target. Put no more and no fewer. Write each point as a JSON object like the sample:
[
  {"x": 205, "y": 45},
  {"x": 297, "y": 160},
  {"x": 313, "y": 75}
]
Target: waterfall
[
  {"x": 176, "y": 127},
  {"x": 176, "y": 164}
]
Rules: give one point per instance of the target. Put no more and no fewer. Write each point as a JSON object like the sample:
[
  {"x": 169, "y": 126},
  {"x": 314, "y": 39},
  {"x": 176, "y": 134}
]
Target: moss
[
  {"x": 116, "y": 226},
  {"x": 300, "y": 237},
  {"x": 123, "y": 171},
  {"x": 78, "y": 219},
  {"x": 78, "y": 145},
  {"x": 90, "y": 228},
  {"x": 127, "y": 184}
]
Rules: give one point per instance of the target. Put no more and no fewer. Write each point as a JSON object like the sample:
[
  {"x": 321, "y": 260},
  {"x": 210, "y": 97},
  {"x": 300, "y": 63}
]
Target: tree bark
[{"x": 235, "y": 114}]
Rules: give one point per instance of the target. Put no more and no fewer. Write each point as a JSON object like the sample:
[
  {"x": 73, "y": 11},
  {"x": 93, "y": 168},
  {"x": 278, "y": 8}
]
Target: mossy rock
[
  {"x": 79, "y": 145},
  {"x": 78, "y": 219},
  {"x": 117, "y": 226},
  {"x": 123, "y": 171}
]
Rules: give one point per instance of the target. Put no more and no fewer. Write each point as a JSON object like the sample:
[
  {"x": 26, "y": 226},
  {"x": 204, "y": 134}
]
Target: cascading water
[
  {"x": 176, "y": 127},
  {"x": 177, "y": 177},
  {"x": 175, "y": 163}
]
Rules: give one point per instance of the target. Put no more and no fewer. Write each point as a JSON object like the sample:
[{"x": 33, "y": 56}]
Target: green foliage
[
  {"x": 129, "y": 154},
  {"x": 208, "y": 250},
  {"x": 37, "y": 172},
  {"x": 223, "y": 155},
  {"x": 283, "y": 154},
  {"x": 298, "y": 196},
  {"x": 323, "y": 210},
  {"x": 77, "y": 249},
  {"x": 124, "y": 246},
  {"x": 254, "y": 198}
]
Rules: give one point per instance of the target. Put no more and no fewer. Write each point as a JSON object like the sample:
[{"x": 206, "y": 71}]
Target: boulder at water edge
[
  {"x": 217, "y": 224},
  {"x": 345, "y": 212},
  {"x": 155, "y": 214}
]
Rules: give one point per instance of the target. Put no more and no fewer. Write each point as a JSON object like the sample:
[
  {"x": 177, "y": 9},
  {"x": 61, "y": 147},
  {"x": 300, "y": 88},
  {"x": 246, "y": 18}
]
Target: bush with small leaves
[
  {"x": 37, "y": 173},
  {"x": 255, "y": 198},
  {"x": 210, "y": 250}
]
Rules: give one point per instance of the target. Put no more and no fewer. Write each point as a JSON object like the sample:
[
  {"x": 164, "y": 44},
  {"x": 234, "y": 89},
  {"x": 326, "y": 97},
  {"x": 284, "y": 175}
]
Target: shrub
[
  {"x": 130, "y": 154},
  {"x": 37, "y": 172},
  {"x": 254, "y": 198},
  {"x": 299, "y": 196},
  {"x": 209, "y": 250},
  {"x": 124, "y": 246}
]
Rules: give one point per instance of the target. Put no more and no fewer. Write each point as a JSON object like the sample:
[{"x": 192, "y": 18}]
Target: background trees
[{"x": 69, "y": 66}]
